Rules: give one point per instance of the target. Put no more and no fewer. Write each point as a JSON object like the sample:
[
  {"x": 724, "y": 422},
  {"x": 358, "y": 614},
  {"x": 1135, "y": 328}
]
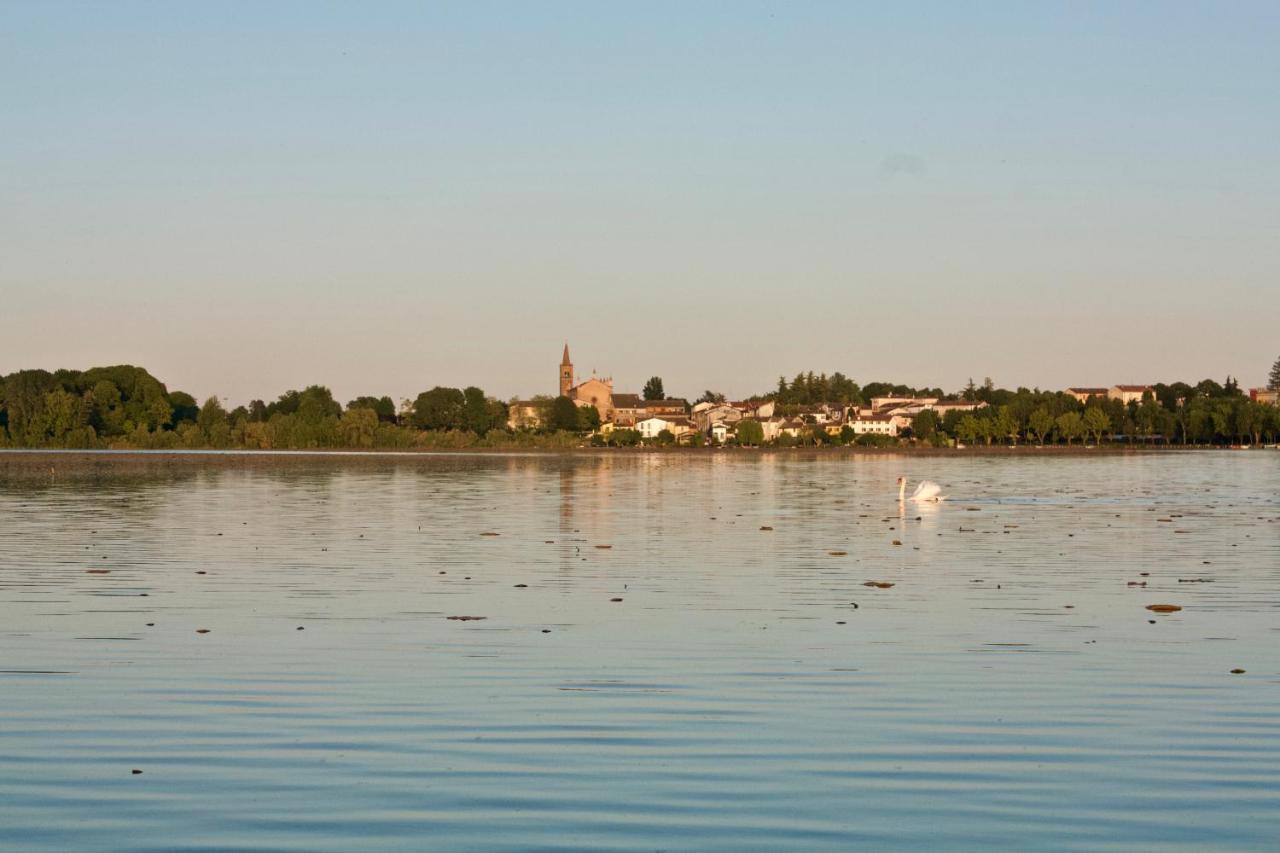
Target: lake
[{"x": 674, "y": 652}]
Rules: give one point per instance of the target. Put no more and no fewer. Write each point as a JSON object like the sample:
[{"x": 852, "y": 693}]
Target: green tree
[
  {"x": 925, "y": 424},
  {"x": 710, "y": 396},
  {"x": 588, "y": 419},
  {"x": 212, "y": 422},
  {"x": 439, "y": 409},
  {"x": 358, "y": 427},
  {"x": 653, "y": 389},
  {"x": 184, "y": 408},
  {"x": 1273, "y": 381},
  {"x": 624, "y": 437},
  {"x": 106, "y": 408},
  {"x": 477, "y": 415},
  {"x": 750, "y": 433},
  {"x": 1096, "y": 423},
  {"x": 316, "y": 403},
  {"x": 968, "y": 429},
  {"x": 1005, "y": 426},
  {"x": 1070, "y": 426},
  {"x": 383, "y": 407},
  {"x": 64, "y": 417},
  {"x": 564, "y": 415},
  {"x": 1040, "y": 423}
]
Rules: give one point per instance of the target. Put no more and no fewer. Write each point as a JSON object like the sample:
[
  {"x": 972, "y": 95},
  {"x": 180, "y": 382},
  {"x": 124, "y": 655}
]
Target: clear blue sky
[{"x": 247, "y": 197}]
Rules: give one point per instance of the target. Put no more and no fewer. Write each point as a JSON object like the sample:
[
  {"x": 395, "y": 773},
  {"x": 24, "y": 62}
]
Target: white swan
[{"x": 926, "y": 491}]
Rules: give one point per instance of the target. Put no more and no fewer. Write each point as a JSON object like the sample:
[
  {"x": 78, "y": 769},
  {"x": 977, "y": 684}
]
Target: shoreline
[{"x": 19, "y": 458}]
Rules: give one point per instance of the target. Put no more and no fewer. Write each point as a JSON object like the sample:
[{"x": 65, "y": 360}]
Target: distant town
[
  {"x": 126, "y": 407},
  {"x": 881, "y": 418}
]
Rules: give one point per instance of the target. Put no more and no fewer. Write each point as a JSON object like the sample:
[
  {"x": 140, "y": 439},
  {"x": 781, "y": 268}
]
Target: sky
[{"x": 250, "y": 197}]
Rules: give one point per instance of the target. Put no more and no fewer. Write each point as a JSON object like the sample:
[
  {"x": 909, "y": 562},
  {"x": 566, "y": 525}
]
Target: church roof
[{"x": 564, "y": 361}]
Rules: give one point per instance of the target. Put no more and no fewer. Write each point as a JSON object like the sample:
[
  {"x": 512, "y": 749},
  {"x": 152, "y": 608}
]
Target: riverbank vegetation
[{"x": 125, "y": 407}]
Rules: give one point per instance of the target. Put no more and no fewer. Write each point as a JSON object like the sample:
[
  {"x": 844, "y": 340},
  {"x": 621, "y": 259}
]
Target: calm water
[{"x": 748, "y": 692}]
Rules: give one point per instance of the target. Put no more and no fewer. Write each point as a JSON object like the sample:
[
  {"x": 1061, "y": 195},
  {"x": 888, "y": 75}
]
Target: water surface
[{"x": 748, "y": 691}]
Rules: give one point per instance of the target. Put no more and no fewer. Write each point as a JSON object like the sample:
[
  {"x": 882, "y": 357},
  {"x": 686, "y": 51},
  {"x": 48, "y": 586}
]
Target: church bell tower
[{"x": 566, "y": 373}]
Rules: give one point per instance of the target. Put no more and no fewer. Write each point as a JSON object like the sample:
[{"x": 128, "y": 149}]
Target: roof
[
  {"x": 627, "y": 401},
  {"x": 564, "y": 361},
  {"x": 669, "y": 403},
  {"x": 1082, "y": 390},
  {"x": 674, "y": 420},
  {"x": 1134, "y": 388}
]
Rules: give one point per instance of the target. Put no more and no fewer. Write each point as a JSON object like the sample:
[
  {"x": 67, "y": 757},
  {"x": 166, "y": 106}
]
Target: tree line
[
  {"x": 125, "y": 406},
  {"x": 1177, "y": 413}
]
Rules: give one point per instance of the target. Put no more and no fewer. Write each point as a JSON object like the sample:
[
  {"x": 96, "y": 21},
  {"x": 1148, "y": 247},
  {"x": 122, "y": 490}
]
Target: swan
[{"x": 926, "y": 491}]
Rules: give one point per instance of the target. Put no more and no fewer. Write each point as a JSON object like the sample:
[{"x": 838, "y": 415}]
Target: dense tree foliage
[
  {"x": 653, "y": 389},
  {"x": 382, "y": 407},
  {"x": 564, "y": 414},
  {"x": 1273, "y": 381},
  {"x": 126, "y": 407},
  {"x": 750, "y": 433}
]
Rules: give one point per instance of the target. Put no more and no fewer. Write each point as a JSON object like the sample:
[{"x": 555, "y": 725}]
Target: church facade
[{"x": 596, "y": 391}]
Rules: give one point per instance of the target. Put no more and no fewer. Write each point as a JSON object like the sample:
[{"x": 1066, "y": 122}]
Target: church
[{"x": 595, "y": 391}]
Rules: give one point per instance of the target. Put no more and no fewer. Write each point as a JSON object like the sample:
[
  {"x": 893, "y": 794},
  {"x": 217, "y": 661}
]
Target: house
[
  {"x": 627, "y": 409},
  {"x": 771, "y": 427},
  {"x": 705, "y": 415},
  {"x": 944, "y": 406},
  {"x": 662, "y": 408},
  {"x": 719, "y": 432},
  {"x": 792, "y": 427},
  {"x": 880, "y": 404},
  {"x": 874, "y": 425},
  {"x": 1265, "y": 395},
  {"x": 677, "y": 426},
  {"x": 1082, "y": 394},
  {"x": 1129, "y": 393}
]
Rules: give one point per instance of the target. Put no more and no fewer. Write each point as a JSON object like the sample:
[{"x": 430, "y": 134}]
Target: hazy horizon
[{"x": 245, "y": 199}]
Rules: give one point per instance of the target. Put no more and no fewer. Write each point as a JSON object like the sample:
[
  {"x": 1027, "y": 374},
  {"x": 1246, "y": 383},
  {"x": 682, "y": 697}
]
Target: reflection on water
[{"x": 654, "y": 668}]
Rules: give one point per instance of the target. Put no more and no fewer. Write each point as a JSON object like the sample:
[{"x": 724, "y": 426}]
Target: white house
[
  {"x": 1129, "y": 393},
  {"x": 875, "y": 425},
  {"x": 650, "y": 427}
]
